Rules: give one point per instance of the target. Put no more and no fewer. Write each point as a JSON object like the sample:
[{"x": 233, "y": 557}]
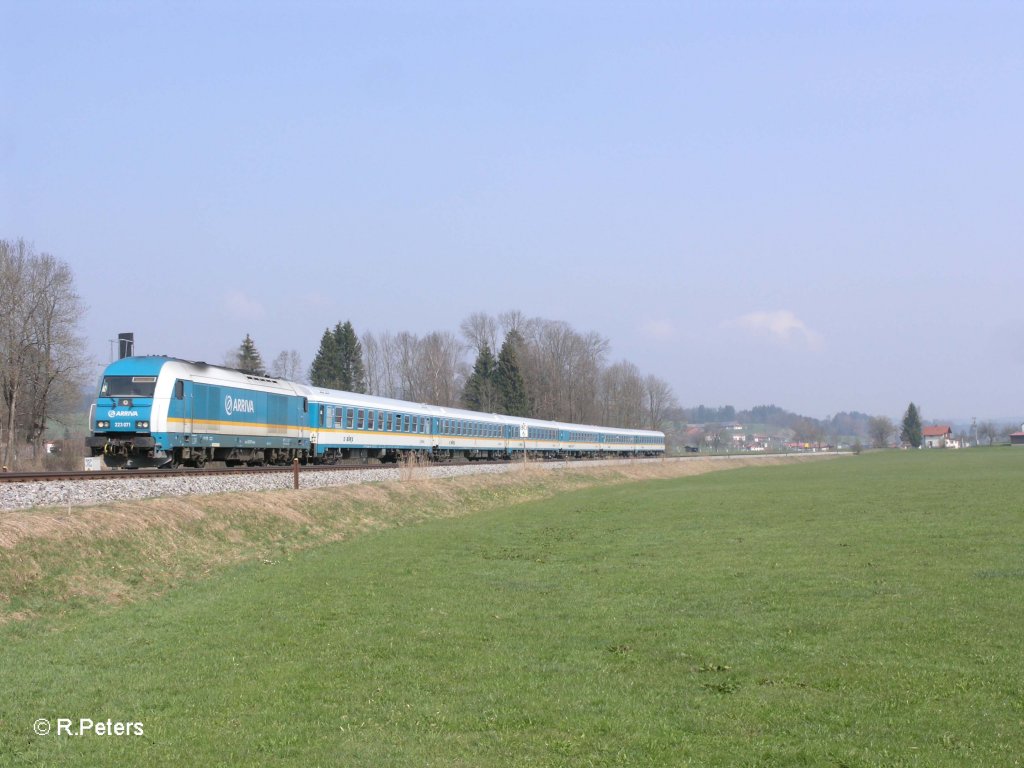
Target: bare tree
[
  {"x": 660, "y": 399},
  {"x": 40, "y": 353},
  {"x": 56, "y": 364},
  {"x": 382, "y": 365},
  {"x": 513, "y": 320},
  {"x": 561, "y": 369},
  {"x": 480, "y": 330},
  {"x": 880, "y": 430},
  {"x": 622, "y": 394},
  {"x": 287, "y": 365},
  {"x": 442, "y": 368},
  {"x": 406, "y": 359},
  {"x": 389, "y": 383},
  {"x": 988, "y": 430}
]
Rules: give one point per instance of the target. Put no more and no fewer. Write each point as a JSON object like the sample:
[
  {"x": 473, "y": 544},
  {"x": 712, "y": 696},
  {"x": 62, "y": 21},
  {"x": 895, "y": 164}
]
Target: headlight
[
  {"x": 102, "y": 425},
  {"x": 142, "y": 425}
]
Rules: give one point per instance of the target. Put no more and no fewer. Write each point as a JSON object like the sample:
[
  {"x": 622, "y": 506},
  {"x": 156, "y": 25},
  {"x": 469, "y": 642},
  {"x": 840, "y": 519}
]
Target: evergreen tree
[
  {"x": 249, "y": 358},
  {"x": 326, "y": 369},
  {"x": 481, "y": 390},
  {"x": 512, "y": 398},
  {"x": 911, "y": 431},
  {"x": 339, "y": 361},
  {"x": 350, "y": 358}
]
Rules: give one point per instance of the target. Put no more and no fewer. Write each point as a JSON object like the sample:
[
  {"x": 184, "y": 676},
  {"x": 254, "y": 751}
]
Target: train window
[
  {"x": 349, "y": 416},
  {"x": 179, "y": 390},
  {"x": 128, "y": 386},
  {"x": 321, "y": 415},
  {"x": 330, "y": 416},
  {"x": 360, "y": 417},
  {"x": 407, "y": 423},
  {"x": 388, "y": 422},
  {"x": 380, "y": 421},
  {"x": 423, "y": 425},
  {"x": 369, "y": 420},
  {"x": 305, "y": 405}
]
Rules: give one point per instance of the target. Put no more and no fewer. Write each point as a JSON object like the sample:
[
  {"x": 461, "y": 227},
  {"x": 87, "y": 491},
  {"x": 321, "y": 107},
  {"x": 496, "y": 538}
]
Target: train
[{"x": 157, "y": 411}]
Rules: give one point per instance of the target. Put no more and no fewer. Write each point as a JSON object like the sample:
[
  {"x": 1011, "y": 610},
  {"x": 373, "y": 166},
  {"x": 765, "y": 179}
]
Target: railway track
[
  {"x": 145, "y": 474},
  {"x": 159, "y": 474}
]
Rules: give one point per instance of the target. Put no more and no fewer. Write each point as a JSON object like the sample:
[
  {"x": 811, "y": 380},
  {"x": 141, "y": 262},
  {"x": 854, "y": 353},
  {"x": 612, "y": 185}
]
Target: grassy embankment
[{"x": 856, "y": 612}]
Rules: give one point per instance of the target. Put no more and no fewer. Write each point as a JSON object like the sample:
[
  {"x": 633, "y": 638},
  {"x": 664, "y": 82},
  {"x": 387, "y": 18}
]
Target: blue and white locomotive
[{"x": 160, "y": 411}]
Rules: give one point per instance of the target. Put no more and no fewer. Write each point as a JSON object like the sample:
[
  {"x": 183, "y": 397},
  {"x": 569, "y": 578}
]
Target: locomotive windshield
[{"x": 128, "y": 386}]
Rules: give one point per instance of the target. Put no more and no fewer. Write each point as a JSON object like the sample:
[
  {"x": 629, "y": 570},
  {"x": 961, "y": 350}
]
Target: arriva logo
[
  {"x": 238, "y": 405},
  {"x": 115, "y": 414}
]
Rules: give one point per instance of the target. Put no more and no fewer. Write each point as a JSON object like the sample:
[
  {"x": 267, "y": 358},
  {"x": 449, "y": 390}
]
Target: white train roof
[{"x": 216, "y": 374}]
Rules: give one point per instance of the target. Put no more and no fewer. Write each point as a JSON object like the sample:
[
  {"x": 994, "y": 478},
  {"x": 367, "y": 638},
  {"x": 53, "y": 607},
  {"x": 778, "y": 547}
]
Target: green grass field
[{"x": 865, "y": 611}]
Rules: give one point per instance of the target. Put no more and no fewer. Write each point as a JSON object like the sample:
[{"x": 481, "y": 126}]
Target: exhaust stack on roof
[{"x": 125, "y": 345}]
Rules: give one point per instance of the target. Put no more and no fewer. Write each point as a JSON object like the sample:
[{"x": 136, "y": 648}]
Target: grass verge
[{"x": 56, "y": 561}]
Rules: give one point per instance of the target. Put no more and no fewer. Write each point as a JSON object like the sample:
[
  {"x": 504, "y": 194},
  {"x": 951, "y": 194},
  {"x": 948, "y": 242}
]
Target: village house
[{"x": 939, "y": 437}]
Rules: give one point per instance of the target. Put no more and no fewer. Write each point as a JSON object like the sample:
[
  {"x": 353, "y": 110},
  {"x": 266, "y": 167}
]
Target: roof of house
[{"x": 936, "y": 431}]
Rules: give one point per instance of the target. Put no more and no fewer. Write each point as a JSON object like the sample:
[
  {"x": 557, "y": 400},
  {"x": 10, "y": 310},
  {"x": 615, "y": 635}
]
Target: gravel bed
[{"x": 69, "y": 493}]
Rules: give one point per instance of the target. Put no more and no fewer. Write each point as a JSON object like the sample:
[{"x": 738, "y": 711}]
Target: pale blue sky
[{"x": 811, "y": 204}]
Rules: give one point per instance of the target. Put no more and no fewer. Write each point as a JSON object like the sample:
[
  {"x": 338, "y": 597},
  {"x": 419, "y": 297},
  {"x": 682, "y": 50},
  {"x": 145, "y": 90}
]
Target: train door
[
  {"x": 181, "y": 410},
  {"x": 302, "y": 420}
]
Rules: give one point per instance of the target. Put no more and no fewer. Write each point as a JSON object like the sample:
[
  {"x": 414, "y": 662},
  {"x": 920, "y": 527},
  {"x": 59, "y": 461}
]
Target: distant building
[
  {"x": 1017, "y": 438},
  {"x": 939, "y": 437}
]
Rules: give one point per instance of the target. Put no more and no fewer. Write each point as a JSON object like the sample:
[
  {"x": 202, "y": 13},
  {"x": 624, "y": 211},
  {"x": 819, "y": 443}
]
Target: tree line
[{"x": 521, "y": 366}]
